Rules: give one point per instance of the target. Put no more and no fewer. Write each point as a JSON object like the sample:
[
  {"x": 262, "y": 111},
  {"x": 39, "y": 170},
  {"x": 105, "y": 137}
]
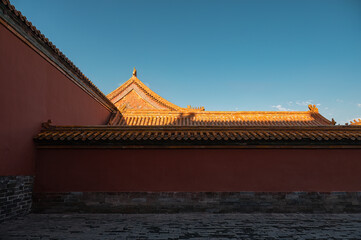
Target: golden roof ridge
[{"x": 183, "y": 110}]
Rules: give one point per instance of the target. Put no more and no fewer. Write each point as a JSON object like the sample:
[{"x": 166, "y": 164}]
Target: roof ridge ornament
[
  {"x": 135, "y": 72},
  {"x": 196, "y": 108},
  {"x": 46, "y": 125},
  {"x": 356, "y": 122},
  {"x": 313, "y": 108}
]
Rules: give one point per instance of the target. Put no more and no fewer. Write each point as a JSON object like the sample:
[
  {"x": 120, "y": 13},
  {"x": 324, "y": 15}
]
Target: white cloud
[
  {"x": 339, "y": 100},
  {"x": 359, "y": 104},
  {"x": 304, "y": 103},
  {"x": 295, "y": 104},
  {"x": 280, "y": 108}
]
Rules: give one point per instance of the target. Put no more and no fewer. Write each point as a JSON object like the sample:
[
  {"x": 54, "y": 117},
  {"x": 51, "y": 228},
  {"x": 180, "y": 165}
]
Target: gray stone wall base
[
  {"x": 15, "y": 196},
  {"x": 182, "y": 202}
]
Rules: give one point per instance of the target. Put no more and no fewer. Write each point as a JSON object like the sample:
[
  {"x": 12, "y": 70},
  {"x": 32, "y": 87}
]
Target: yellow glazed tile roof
[{"x": 140, "y": 106}]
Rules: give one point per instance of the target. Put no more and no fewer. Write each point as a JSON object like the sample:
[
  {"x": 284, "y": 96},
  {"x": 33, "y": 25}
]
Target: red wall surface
[
  {"x": 107, "y": 170},
  {"x": 31, "y": 92}
]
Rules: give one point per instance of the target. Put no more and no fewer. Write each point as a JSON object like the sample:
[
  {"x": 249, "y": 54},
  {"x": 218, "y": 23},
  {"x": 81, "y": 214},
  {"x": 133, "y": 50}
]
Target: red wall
[
  {"x": 75, "y": 170},
  {"x": 31, "y": 92}
]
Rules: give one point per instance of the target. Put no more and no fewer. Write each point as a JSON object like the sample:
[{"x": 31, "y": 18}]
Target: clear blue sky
[{"x": 224, "y": 55}]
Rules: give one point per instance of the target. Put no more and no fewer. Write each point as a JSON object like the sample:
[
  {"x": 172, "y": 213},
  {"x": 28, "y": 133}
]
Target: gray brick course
[
  {"x": 215, "y": 202},
  {"x": 15, "y": 196}
]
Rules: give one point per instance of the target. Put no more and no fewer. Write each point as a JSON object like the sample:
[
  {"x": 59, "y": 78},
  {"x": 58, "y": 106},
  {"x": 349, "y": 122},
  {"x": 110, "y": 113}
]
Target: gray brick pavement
[{"x": 183, "y": 226}]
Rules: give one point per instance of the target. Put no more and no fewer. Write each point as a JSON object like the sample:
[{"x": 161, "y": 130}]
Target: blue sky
[{"x": 224, "y": 55}]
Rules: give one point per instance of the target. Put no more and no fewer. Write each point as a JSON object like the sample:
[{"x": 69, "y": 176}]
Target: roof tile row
[
  {"x": 170, "y": 135},
  {"x": 208, "y": 118}
]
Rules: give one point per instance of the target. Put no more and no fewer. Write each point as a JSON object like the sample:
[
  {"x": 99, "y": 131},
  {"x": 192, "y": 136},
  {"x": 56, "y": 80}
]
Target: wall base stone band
[
  {"x": 215, "y": 202},
  {"x": 15, "y": 196}
]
